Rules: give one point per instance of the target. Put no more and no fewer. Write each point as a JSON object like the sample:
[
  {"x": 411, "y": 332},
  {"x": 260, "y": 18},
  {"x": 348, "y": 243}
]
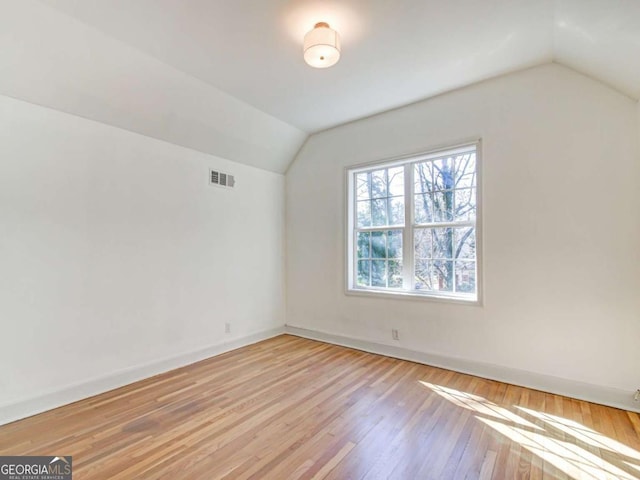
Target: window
[{"x": 412, "y": 225}]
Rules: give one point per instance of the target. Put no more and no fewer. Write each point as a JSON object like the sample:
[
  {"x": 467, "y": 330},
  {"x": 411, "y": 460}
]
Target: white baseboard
[
  {"x": 583, "y": 391},
  {"x": 31, "y": 406},
  {"x": 547, "y": 383}
]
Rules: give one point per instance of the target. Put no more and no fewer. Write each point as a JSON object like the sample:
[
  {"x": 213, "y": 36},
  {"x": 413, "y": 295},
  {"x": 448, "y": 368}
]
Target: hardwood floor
[{"x": 290, "y": 408}]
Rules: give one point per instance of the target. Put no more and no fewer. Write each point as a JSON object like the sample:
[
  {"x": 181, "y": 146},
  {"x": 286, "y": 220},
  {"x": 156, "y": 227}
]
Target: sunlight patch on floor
[
  {"x": 568, "y": 457},
  {"x": 583, "y": 433},
  {"x": 562, "y": 442},
  {"x": 478, "y": 405}
]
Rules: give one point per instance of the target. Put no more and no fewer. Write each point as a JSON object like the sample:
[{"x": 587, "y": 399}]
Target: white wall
[
  {"x": 115, "y": 252},
  {"x": 561, "y": 229}
]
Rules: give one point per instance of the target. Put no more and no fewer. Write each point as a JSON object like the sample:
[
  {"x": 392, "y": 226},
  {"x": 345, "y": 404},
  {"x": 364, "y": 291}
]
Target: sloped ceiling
[
  {"x": 52, "y": 59},
  {"x": 227, "y": 77},
  {"x": 601, "y": 38}
]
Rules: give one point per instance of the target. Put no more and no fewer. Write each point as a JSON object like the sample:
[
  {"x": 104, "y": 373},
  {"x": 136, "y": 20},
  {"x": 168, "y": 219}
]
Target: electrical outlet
[
  {"x": 227, "y": 327},
  {"x": 394, "y": 334},
  {"x": 636, "y": 397}
]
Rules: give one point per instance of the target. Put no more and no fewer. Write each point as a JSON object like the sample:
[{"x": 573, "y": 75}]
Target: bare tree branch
[{"x": 462, "y": 240}]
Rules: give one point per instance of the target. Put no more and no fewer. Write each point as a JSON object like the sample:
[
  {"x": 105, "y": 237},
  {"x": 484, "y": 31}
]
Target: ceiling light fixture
[{"x": 322, "y": 46}]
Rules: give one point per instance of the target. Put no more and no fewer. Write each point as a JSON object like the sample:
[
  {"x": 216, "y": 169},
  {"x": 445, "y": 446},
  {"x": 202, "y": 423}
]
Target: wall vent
[{"x": 221, "y": 179}]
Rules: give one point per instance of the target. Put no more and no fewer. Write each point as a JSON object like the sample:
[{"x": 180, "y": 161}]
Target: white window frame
[{"x": 409, "y": 227}]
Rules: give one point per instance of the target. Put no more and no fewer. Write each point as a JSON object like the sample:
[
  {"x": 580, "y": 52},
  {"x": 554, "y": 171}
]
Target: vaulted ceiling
[{"x": 227, "y": 77}]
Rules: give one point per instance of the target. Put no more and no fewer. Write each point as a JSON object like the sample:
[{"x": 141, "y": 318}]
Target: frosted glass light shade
[{"x": 322, "y": 46}]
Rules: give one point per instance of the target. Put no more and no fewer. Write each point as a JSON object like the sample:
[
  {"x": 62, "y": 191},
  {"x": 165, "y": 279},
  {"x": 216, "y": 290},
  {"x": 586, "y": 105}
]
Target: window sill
[{"x": 404, "y": 295}]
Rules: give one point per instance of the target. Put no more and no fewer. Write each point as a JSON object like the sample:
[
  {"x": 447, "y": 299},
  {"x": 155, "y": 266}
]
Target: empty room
[{"x": 319, "y": 239}]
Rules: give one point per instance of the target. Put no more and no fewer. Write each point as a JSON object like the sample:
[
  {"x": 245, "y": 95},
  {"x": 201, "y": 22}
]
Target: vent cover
[{"x": 221, "y": 179}]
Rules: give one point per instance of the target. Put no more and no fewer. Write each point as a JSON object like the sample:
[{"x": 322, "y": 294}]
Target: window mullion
[
  {"x": 465, "y": 223},
  {"x": 407, "y": 232},
  {"x": 354, "y": 219}
]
